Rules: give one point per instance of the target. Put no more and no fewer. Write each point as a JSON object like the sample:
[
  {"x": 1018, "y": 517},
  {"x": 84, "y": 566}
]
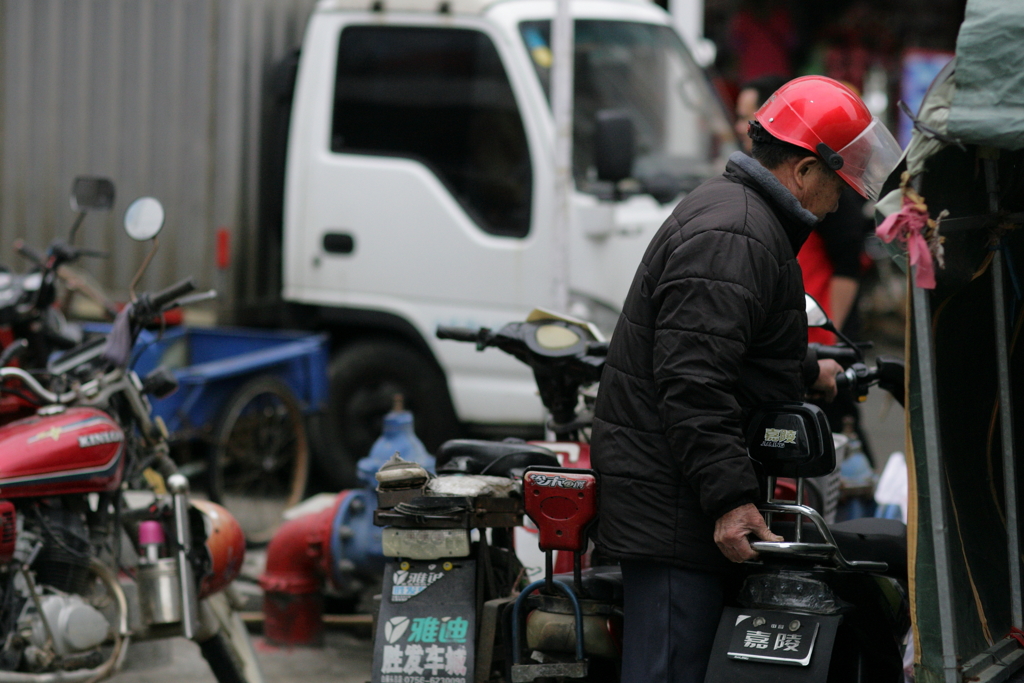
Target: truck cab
[{"x": 420, "y": 182}]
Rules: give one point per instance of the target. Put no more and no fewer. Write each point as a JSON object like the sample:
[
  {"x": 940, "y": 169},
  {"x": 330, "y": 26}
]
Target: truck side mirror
[{"x": 614, "y": 145}]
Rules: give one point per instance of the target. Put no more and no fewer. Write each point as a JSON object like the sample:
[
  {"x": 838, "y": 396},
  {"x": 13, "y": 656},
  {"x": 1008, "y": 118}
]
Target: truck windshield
[{"x": 682, "y": 134}]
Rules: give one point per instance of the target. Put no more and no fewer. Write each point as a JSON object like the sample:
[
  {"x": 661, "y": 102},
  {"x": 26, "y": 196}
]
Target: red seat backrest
[{"x": 562, "y": 503}]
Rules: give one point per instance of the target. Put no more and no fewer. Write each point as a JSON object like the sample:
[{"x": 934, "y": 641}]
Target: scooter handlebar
[
  {"x": 888, "y": 374},
  {"x": 844, "y": 355},
  {"x": 464, "y": 334}
]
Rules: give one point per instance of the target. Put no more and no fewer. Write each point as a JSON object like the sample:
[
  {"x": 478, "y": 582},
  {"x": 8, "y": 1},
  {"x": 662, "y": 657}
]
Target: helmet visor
[{"x": 869, "y": 159}]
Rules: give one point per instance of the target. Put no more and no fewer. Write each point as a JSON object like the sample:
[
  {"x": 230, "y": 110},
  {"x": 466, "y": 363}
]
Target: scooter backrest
[
  {"x": 791, "y": 439},
  {"x": 562, "y": 503}
]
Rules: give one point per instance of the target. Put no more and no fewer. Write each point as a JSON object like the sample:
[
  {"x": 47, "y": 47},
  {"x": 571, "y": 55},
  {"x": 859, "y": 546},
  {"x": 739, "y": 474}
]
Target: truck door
[
  {"x": 412, "y": 186},
  {"x": 419, "y": 197}
]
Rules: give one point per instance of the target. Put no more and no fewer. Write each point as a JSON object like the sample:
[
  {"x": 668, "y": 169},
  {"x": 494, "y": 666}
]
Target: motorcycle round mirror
[
  {"x": 144, "y": 218},
  {"x": 816, "y": 316},
  {"x": 90, "y": 193}
]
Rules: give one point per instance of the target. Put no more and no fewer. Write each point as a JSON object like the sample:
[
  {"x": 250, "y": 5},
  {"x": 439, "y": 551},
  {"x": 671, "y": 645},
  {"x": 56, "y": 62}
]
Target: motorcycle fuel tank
[{"x": 74, "y": 450}]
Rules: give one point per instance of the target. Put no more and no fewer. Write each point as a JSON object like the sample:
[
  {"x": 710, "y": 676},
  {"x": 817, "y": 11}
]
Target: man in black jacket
[{"x": 713, "y": 326}]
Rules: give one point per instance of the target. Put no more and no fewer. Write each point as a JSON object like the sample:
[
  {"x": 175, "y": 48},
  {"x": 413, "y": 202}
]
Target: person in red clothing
[
  {"x": 763, "y": 36},
  {"x": 831, "y": 262}
]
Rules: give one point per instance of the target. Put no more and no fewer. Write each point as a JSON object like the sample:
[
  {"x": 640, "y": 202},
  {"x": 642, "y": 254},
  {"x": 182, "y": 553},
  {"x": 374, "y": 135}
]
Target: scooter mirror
[
  {"x": 144, "y": 218},
  {"x": 816, "y": 316},
  {"x": 90, "y": 193},
  {"x": 614, "y": 145}
]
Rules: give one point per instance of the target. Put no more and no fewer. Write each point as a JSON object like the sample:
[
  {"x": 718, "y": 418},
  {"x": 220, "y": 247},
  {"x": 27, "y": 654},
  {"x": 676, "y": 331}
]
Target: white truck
[{"x": 395, "y": 174}]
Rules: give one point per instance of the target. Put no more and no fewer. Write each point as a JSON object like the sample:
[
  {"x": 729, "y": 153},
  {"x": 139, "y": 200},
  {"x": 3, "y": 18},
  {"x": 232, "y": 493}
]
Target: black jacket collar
[{"x": 797, "y": 221}]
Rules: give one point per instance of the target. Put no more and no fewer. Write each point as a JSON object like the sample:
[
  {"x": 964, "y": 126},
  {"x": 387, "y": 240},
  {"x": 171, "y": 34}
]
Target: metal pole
[
  {"x": 1005, "y": 409},
  {"x": 799, "y": 535},
  {"x": 562, "y": 49},
  {"x": 936, "y": 487},
  {"x": 1007, "y": 439},
  {"x": 688, "y": 18}
]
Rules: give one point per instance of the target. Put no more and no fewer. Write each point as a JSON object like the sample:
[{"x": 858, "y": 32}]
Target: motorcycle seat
[
  {"x": 496, "y": 458},
  {"x": 603, "y": 584},
  {"x": 866, "y": 538},
  {"x": 873, "y": 538}
]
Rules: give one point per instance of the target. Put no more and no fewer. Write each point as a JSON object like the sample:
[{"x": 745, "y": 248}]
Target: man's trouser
[{"x": 671, "y": 616}]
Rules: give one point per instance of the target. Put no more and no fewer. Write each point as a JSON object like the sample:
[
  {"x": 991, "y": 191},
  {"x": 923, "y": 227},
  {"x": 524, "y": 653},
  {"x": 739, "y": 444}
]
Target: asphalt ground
[{"x": 344, "y": 658}]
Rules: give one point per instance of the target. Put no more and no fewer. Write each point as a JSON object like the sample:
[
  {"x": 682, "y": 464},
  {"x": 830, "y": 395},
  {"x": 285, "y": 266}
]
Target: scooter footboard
[{"x": 763, "y": 646}]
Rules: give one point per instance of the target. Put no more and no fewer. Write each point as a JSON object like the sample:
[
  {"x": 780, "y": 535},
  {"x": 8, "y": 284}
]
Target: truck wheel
[
  {"x": 365, "y": 377},
  {"x": 260, "y": 456}
]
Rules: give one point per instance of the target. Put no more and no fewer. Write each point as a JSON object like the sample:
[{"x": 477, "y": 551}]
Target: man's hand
[
  {"x": 825, "y": 386},
  {"x": 732, "y": 528}
]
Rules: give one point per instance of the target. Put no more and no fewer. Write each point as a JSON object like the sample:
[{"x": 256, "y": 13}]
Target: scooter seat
[
  {"x": 873, "y": 538},
  {"x": 866, "y": 538},
  {"x": 603, "y": 584},
  {"x": 496, "y": 458}
]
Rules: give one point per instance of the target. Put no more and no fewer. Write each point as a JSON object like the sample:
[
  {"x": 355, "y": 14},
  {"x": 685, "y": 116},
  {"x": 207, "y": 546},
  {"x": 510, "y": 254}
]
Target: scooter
[
  {"x": 452, "y": 568},
  {"x": 32, "y": 326},
  {"x": 100, "y": 543},
  {"x": 828, "y": 604}
]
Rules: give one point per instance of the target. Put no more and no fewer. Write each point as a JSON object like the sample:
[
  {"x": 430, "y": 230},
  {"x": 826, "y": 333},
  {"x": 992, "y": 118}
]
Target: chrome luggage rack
[{"x": 826, "y": 552}]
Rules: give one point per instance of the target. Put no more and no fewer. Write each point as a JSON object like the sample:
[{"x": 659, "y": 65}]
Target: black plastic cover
[
  {"x": 496, "y": 458},
  {"x": 791, "y": 439}
]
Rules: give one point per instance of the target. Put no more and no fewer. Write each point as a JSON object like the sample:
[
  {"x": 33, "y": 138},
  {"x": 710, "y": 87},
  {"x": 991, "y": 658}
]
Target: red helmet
[
  {"x": 225, "y": 544},
  {"x": 824, "y": 116}
]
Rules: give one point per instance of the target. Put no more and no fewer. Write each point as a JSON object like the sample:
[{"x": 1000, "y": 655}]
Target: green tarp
[
  {"x": 988, "y": 107},
  {"x": 976, "y": 107}
]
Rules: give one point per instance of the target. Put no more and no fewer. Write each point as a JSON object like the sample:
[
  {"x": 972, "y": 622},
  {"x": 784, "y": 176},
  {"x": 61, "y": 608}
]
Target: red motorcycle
[{"x": 100, "y": 543}]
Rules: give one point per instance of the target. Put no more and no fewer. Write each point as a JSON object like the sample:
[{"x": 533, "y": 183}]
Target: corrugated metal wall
[{"x": 161, "y": 96}]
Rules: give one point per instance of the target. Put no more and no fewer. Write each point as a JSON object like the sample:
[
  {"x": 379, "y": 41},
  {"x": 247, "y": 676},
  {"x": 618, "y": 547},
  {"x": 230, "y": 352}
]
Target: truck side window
[{"x": 440, "y": 96}]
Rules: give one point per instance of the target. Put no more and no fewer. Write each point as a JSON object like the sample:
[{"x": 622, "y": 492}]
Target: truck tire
[
  {"x": 364, "y": 377},
  {"x": 260, "y": 457}
]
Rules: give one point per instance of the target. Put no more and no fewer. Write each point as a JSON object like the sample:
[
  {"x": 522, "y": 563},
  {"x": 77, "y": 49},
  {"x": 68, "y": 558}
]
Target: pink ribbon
[{"x": 906, "y": 225}]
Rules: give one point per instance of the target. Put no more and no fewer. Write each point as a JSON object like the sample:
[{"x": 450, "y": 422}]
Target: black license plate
[{"x": 775, "y": 637}]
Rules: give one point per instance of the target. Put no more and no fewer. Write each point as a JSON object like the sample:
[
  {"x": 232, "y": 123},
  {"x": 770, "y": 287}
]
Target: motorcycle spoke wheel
[{"x": 260, "y": 459}]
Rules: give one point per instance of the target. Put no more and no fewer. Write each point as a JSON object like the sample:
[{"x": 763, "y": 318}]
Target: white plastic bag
[{"x": 892, "y": 486}]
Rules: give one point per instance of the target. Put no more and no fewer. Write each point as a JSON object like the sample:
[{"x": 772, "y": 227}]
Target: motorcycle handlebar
[
  {"x": 464, "y": 334},
  {"x": 92, "y": 253},
  {"x": 888, "y": 373},
  {"x": 166, "y": 296},
  {"x": 844, "y": 355},
  {"x": 844, "y": 381},
  {"x": 29, "y": 253},
  {"x": 35, "y": 387}
]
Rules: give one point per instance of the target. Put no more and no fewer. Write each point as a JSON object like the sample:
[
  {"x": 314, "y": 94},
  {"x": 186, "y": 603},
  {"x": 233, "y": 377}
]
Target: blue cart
[{"x": 241, "y": 410}]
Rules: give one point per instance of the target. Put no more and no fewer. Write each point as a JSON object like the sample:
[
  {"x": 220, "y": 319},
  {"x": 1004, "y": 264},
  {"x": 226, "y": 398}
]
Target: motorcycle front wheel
[{"x": 229, "y": 653}]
